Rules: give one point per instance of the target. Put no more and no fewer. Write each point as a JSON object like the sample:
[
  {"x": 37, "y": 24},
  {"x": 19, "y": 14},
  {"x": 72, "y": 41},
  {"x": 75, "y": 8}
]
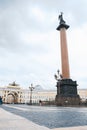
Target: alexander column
[{"x": 66, "y": 87}]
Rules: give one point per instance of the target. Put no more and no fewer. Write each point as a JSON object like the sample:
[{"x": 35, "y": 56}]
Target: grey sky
[{"x": 30, "y": 44}]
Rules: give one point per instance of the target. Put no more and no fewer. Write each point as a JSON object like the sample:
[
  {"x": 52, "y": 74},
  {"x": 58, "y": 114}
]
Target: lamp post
[
  {"x": 58, "y": 77},
  {"x": 31, "y": 89}
]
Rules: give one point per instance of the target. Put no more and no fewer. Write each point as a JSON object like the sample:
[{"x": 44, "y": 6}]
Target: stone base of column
[
  {"x": 67, "y": 101},
  {"x": 67, "y": 93}
]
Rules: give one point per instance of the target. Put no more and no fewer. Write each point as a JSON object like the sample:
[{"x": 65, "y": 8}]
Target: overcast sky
[{"x": 30, "y": 43}]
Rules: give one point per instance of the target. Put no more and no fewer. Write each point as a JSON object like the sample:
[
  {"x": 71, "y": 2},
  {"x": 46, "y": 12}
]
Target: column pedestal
[{"x": 67, "y": 93}]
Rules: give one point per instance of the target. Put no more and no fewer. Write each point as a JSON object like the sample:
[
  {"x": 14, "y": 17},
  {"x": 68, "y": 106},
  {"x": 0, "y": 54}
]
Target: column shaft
[{"x": 64, "y": 54}]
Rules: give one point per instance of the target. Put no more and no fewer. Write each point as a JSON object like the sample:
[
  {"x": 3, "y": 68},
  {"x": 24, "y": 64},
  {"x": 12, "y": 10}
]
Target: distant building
[
  {"x": 13, "y": 93},
  {"x": 83, "y": 94}
]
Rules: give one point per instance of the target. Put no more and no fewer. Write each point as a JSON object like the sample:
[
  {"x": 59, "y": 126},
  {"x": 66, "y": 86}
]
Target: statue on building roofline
[{"x": 13, "y": 84}]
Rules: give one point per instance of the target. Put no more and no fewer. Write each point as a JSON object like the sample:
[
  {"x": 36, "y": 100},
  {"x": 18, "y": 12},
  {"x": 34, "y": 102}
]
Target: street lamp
[
  {"x": 58, "y": 77},
  {"x": 31, "y": 89}
]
